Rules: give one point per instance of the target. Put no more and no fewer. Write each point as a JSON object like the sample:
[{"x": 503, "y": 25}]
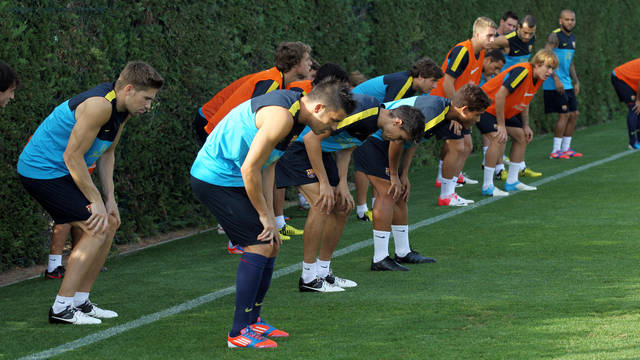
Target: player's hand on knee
[
  {"x": 99, "y": 218},
  {"x": 395, "y": 188},
  {"x": 528, "y": 134},
  {"x": 269, "y": 232},
  {"x": 456, "y": 127},
  {"x": 114, "y": 213},
  {"x": 406, "y": 188},
  {"x": 501, "y": 135},
  {"x": 326, "y": 199}
]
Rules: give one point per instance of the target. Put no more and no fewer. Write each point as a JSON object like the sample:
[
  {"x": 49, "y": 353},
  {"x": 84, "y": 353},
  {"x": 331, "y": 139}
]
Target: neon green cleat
[
  {"x": 530, "y": 173},
  {"x": 290, "y": 230}
]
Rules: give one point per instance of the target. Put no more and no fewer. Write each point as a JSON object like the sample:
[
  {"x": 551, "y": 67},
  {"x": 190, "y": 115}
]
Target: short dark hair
[
  {"x": 472, "y": 96},
  {"x": 426, "y": 68},
  {"x": 334, "y": 94},
  {"x": 530, "y": 20},
  {"x": 496, "y": 55},
  {"x": 8, "y": 77},
  {"x": 330, "y": 70},
  {"x": 412, "y": 121},
  {"x": 315, "y": 65},
  {"x": 289, "y": 54},
  {"x": 509, "y": 15},
  {"x": 141, "y": 75}
]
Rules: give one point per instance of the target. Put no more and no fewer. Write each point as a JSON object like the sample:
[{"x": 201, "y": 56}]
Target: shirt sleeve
[
  {"x": 457, "y": 61},
  {"x": 515, "y": 78},
  {"x": 265, "y": 86}
]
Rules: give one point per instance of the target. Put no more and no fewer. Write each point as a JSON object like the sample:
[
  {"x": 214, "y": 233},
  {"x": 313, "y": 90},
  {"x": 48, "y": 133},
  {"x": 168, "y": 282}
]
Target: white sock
[
  {"x": 308, "y": 272},
  {"x": 54, "y": 262},
  {"x": 488, "y": 177},
  {"x": 361, "y": 209},
  {"x": 448, "y": 187},
  {"x": 61, "y": 303},
  {"x": 499, "y": 167},
  {"x": 514, "y": 168},
  {"x": 566, "y": 143},
  {"x": 451, "y": 186},
  {"x": 401, "y": 239},
  {"x": 380, "y": 245},
  {"x": 280, "y": 223},
  {"x": 557, "y": 143},
  {"x": 484, "y": 154},
  {"x": 440, "y": 171},
  {"x": 322, "y": 268},
  {"x": 80, "y": 298},
  {"x": 373, "y": 201}
]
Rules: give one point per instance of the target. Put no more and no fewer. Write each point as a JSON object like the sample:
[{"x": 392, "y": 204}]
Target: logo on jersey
[
  {"x": 293, "y": 138},
  {"x": 516, "y": 51},
  {"x": 574, "y": 44},
  {"x": 530, "y": 48},
  {"x": 526, "y": 94},
  {"x": 89, "y": 209},
  {"x": 474, "y": 70},
  {"x": 310, "y": 174}
]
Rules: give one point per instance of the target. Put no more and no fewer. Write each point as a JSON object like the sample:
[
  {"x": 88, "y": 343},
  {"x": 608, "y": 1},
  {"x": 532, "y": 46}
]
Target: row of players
[{"x": 234, "y": 172}]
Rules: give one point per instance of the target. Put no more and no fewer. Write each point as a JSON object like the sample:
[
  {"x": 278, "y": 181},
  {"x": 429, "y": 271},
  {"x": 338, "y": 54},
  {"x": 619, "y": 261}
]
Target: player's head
[
  {"x": 407, "y": 124},
  {"x": 484, "y": 32},
  {"x": 544, "y": 61},
  {"x": 527, "y": 28},
  {"x": 567, "y": 20},
  {"x": 294, "y": 56},
  {"x": 425, "y": 73},
  {"x": 471, "y": 102},
  {"x": 494, "y": 60},
  {"x": 8, "y": 83},
  {"x": 326, "y": 105},
  {"x": 330, "y": 70},
  {"x": 138, "y": 83},
  {"x": 508, "y": 22}
]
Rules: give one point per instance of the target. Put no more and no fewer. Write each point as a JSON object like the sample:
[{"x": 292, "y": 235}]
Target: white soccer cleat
[
  {"x": 94, "y": 311},
  {"x": 72, "y": 315},
  {"x": 493, "y": 191},
  {"x": 463, "y": 179},
  {"x": 519, "y": 186},
  {"x": 452, "y": 200},
  {"x": 318, "y": 285},
  {"x": 343, "y": 283}
]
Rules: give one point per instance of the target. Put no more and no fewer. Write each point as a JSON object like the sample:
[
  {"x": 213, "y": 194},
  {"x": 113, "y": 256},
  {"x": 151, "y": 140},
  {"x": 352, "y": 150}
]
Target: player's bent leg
[
  {"x": 518, "y": 150},
  {"x": 404, "y": 253},
  {"x": 362, "y": 187},
  {"x": 383, "y": 211},
  {"x": 491, "y": 160}
]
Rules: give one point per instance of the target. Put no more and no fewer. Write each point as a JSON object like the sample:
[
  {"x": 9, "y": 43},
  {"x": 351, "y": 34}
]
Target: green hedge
[{"x": 60, "y": 49}]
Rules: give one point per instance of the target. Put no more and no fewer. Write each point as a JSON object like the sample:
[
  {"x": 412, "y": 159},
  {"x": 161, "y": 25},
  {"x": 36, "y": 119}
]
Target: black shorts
[
  {"x": 233, "y": 209},
  {"x": 443, "y": 132},
  {"x": 198, "y": 125},
  {"x": 294, "y": 167},
  {"x": 60, "y": 197},
  {"x": 624, "y": 91},
  {"x": 554, "y": 102},
  {"x": 372, "y": 158},
  {"x": 488, "y": 123}
]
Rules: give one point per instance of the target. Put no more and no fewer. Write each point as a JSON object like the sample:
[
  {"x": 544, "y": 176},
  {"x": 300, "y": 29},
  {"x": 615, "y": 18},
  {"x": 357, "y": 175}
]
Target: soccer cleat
[
  {"x": 468, "y": 201},
  {"x": 220, "y": 230},
  {"x": 501, "y": 175},
  {"x": 260, "y": 327},
  {"x": 290, "y": 230},
  {"x": 530, "y": 173},
  {"x": 387, "y": 264},
  {"x": 318, "y": 285},
  {"x": 235, "y": 249},
  {"x": 493, "y": 191},
  {"x": 92, "y": 310},
  {"x": 368, "y": 216},
  {"x": 463, "y": 179},
  {"x": 57, "y": 273},
  {"x": 452, "y": 200},
  {"x": 635, "y": 146},
  {"x": 571, "y": 153},
  {"x": 343, "y": 283},
  {"x": 284, "y": 237},
  {"x": 414, "y": 257},
  {"x": 286, "y": 218},
  {"x": 439, "y": 184},
  {"x": 249, "y": 339},
  {"x": 517, "y": 186},
  {"x": 71, "y": 315},
  {"x": 559, "y": 154}
]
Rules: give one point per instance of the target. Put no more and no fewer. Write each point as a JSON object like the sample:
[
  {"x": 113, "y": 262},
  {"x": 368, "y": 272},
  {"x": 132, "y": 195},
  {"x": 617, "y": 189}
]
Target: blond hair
[
  {"x": 483, "y": 22},
  {"x": 545, "y": 56}
]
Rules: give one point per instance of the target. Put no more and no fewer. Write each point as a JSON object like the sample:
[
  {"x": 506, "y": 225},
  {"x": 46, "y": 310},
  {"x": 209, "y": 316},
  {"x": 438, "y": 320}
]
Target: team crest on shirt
[
  {"x": 530, "y": 48},
  {"x": 564, "y": 107},
  {"x": 386, "y": 171},
  {"x": 293, "y": 138},
  {"x": 310, "y": 174}
]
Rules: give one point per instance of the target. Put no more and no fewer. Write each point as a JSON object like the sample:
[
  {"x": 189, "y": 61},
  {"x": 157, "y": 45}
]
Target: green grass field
[{"x": 546, "y": 274}]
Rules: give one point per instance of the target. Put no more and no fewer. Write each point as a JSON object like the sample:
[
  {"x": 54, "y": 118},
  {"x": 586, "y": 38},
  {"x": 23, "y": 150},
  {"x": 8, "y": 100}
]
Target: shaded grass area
[{"x": 547, "y": 274}]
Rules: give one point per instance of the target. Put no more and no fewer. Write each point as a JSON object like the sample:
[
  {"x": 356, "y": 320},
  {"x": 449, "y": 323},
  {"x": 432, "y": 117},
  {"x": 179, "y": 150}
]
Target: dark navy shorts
[
  {"x": 60, "y": 197},
  {"x": 294, "y": 167},
  {"x": 372, "y": 158},
  {"x": 624, "y": 91},
  {"x": 554, "y": 102},
  {"x": 233, "y": 209},
  {"x": 488, "y": 123}
]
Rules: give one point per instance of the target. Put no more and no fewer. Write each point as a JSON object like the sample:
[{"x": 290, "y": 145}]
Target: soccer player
[
  {"x": 626, "y": 80},
  {"x": 8, "y": 83},
  {"x": 512, "y": 91},
  {"x": 380, "y": 161},
  {"x": 421, "y": 79},
  {"x": 462, "y": 65},
  {"x": 53, "y": 169},
  {"x": 560, "y": 94},
  {"x": 228, "y": 177},
  {"x": 508, "y": 23},
  {"x": 309, "y": 164}
]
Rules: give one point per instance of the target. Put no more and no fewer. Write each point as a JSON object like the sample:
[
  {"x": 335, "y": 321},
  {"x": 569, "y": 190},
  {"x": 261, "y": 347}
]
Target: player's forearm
[
  {"x": 314, "y": 151},
  {"x": 252, "y": 178},
  {"x": 268, "y": 184},
  {"x": 343, "y": 157},
  {"x": 574, "y": 75},
  {"x": 105, "y": 165},
  {"x": 395, "y": 152},
  {"x": 448, "y": 86},
  {"x": 524, "y": 115},
  {"x": 407, "y": 157},
  {"x": 500, "y": 102},
  {"x": 80, "y": 175}
]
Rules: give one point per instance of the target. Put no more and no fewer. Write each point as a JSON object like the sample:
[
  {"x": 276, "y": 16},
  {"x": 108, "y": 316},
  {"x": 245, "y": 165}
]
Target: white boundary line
[{"x": 147, "y": 319}]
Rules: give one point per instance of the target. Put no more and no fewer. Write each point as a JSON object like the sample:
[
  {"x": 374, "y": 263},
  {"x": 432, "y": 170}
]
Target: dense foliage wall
[{"x": 62, "y": 48}]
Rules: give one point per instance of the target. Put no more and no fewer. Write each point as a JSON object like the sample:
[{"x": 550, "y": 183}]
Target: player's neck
[{"x": 476, "y": 47}]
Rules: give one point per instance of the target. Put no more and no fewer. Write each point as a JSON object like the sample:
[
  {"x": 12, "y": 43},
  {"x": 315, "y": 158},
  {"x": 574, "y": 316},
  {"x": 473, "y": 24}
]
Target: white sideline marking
[{"x": 147, "y": 319}]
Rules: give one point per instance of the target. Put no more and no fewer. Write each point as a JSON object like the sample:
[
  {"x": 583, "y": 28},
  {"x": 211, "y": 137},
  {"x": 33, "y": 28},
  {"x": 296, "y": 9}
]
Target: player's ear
[{"x": 318, "y": 108}]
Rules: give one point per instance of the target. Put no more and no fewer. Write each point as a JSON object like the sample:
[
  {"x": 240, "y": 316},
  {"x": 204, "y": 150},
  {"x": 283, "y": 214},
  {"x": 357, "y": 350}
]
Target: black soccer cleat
[
  {"x": 414, "y": 258},
  {"x": 57, "y": 273},
  {"x": 387, "y": 264}
]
